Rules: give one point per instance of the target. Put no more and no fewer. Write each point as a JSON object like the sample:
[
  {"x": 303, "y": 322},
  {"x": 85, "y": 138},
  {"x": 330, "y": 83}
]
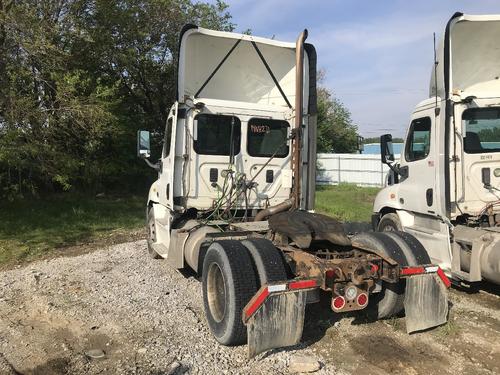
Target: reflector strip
[
  {"x": 265, "y": 291},
  {"x": 302, "y": 284},
  {"x": 412, "y": 271},
  {"x": 443, "y": 277},
  {"x": 276, "y": 288},
  {"x": 258, "y": 301},
  {"x": 408, "y": 271}
]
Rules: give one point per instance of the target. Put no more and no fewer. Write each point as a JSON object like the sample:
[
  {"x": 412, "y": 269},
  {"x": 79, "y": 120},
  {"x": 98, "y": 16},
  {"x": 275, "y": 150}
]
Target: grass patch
[
  {"x": 30, "y": 228},
  {"x": 346, "y": 202}
]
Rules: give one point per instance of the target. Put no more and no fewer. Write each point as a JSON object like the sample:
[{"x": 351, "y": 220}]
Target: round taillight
[
  {"x": 362, "y": 299},
  {"x": 338, "y": 303}
]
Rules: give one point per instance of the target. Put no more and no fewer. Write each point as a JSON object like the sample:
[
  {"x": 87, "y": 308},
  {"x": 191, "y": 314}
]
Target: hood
[
  {"x": 236, "y": 67},
  {"x": 473, "y": 67}
]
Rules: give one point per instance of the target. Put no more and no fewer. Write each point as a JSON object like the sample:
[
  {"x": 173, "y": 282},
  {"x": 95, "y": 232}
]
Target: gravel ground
[{"x": 146, "y": 318}]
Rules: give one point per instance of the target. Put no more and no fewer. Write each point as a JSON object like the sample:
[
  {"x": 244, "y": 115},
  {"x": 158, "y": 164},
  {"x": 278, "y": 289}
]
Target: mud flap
[
  {"x": 426, "y": 302},
  {"x": 277, "y": 323}
]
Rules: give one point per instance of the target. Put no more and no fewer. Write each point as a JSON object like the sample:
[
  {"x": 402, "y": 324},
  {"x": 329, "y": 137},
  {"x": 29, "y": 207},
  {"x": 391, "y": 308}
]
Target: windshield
[{"x": 482, "y": 130}]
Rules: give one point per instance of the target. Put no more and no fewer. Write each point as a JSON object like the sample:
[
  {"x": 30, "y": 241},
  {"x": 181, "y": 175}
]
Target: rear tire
[
  {"x": 390, "y": 301},
  {"x": 389, "y": 223},
  {"x": 269, "y": 265},
  {"x": 151, "y": 234},
  {"x": 412, "y": 248},
  {"x": 229, "y": 282}
]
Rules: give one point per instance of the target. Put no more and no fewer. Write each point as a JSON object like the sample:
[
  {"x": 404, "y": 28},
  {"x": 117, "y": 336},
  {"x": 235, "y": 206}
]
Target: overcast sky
[{"x": 377, "y": 54}]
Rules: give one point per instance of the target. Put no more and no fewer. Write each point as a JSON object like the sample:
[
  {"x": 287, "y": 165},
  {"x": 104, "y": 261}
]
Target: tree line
[{"x": 78, "y": 78}]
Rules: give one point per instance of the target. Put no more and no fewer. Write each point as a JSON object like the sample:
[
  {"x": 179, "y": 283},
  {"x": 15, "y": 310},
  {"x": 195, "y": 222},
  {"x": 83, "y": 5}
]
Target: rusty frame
[{"x": 354, "y": 266}]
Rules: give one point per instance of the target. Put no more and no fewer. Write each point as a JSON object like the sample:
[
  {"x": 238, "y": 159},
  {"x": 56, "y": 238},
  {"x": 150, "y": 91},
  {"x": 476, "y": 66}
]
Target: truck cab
[
  {"x": 228, "y": 138},
  {"x": 445, "y": 188}
]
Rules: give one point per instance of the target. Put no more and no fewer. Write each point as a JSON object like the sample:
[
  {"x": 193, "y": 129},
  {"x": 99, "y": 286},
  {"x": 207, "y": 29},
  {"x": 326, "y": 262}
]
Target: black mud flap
[
  {"x": 278, "y": 323},
  {"x": 426, "y": 302},
  {"x": 275, "y": 315}
]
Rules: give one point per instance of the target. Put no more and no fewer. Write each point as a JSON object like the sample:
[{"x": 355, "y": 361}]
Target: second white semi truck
[{"x": 445, "y": 189}]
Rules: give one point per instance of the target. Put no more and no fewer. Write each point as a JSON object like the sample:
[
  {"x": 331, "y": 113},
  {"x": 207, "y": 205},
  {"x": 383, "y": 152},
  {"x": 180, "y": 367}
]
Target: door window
[
  {"x": 267, "y": 137},
  {"x": 482, "y": 130},
  {"x": 214, "y": 133},
  {"x": 168, "y": 138},
  {"x": 418, "y": 143}
]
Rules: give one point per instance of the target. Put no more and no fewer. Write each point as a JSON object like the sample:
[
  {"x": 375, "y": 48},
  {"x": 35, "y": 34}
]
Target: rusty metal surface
[
  {"x": 297, "y": 139},
  {"x": 279, "y": 322},
  {"x": 350, "y": 266},
  {"x": 303, "y": 227},
  {"x": 360, "y": 246}
]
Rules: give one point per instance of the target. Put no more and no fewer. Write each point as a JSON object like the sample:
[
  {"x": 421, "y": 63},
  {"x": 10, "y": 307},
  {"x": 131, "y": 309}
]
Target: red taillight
[
  {"x": 338, "y": 303},
  {"x": 374, "y": 268},
  {"x": 362, "y": 299},
  {"x": 330, "y": 274}
]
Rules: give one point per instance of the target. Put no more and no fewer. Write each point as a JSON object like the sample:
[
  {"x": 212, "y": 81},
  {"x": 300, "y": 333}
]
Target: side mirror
[
  {"x": 143, "y": 144},
  {"x": 386, "y": 151}
]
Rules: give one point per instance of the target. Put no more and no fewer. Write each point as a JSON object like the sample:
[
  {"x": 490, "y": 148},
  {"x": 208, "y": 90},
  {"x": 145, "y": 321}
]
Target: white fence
[{"x": 362, "y": 170}]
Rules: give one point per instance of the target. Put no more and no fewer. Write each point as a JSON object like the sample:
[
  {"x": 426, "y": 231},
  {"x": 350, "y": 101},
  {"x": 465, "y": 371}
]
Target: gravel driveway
[{"x": 58, "y": 316}]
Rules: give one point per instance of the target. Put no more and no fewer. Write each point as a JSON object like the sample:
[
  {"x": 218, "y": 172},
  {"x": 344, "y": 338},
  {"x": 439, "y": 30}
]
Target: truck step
[{"x": 418, "y": 228}]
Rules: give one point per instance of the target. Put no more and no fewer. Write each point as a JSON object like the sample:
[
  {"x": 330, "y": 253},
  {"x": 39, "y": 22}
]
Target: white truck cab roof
[
  {"x": 231, "y": 67},
  {"x": 471, "y": 45}
]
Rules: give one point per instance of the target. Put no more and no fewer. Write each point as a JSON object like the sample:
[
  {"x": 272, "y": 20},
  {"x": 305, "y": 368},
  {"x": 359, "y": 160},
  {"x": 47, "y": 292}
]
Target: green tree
[
  {"x": 78, "y": 78},
  {"x": 336, "y": 132},
  {"x": 377, "y": 140}
]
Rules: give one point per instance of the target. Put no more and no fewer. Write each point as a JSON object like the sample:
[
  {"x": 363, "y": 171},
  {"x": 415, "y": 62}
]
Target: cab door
[
  {"x": 166, "y": 194},
  {"x": 417, "y": 190}
]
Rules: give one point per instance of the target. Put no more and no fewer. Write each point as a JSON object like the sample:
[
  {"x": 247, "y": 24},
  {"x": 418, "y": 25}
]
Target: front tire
[
  {"x": 390, "y": 223},
  {"x": 151, "y": 234},
  {"x": 229, "y": 282}
]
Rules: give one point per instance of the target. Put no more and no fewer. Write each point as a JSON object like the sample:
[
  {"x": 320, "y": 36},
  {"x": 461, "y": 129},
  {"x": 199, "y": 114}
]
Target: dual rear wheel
[
  {"x": 233, "y": 271},
  {"x": 406, "y": 250}
]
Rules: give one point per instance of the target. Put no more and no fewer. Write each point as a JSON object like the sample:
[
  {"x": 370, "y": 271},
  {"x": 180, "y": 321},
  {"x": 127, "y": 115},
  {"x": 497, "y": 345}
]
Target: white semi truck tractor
[
  {"x": 445, "y": 189},
  {"x": 234, "y": 200}
]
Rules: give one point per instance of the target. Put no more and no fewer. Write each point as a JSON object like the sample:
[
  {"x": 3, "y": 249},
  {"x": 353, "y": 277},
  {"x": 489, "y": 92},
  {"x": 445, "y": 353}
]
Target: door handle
[{"x": 429, "y": 197}]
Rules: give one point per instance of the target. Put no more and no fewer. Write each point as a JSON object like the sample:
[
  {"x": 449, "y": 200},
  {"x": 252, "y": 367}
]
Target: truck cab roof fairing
[
  {"x": 232, "y": 67},
  {"x": 474, "y": 55}
]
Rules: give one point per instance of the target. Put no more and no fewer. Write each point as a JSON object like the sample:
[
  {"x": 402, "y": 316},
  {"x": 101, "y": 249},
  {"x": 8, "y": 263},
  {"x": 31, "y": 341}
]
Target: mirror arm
[
  {"x": 393, "y": 168},
  {"x": 155, "y": 166}
]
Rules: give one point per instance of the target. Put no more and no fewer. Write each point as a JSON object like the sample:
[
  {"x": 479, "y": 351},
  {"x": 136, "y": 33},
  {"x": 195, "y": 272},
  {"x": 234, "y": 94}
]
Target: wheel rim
[
  {"x": 389, "y": 228},
  {"x": 216, "y": 292}
]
